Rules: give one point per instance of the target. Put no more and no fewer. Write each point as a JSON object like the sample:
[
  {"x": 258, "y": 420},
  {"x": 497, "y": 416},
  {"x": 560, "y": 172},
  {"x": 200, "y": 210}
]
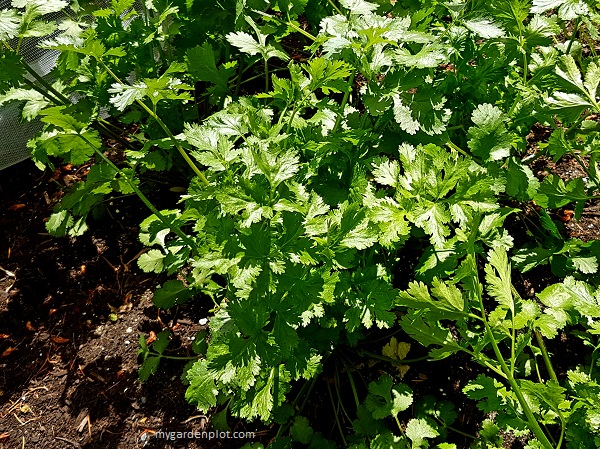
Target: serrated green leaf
[
  {"x": 489, "y": 139},
  {"x": 421, "y": 111},
  {"x": 484, "y": 27},
  {"x": 587, "y": 265},
  {"x": 359, "y": 7},
  {"x": 9, "y": 24},
  {"x": 418, "y": 430},
  {"x": 152, "y": 261},
  {"x": 162, "y": 341},
  {"x": 485, "y": 390},
  {"x": 201, "y": 64},
  {"x": 386, "y": 399},
  {"x": 148, "y": 368},
  {"x": 59, "y": 223},
  {"x": 521, "y": 182},
  {"x": 497, "y": 276},
  {"x": 125, "y": 94},
  {"x": 386, "y": 172},
  {"x": 171, "y": 293},
  {"x": 301, "y": 430},
  {"x": 202, "y": 391}
]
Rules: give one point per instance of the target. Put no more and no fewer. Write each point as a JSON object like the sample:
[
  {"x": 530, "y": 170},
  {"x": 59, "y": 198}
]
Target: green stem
[
  {"x": 276, "y": 387},
  {"x": 60, "y": 99},
  {"x": 545, "y": 356},
  {"x": 352, "y": 385},
  {"x": 300, "y": 30},
  {"x": 172, "y": 226},
  {"x": 339, "y": 393},
  {"x": 533, "y": 423},
  {"x": 456, "y": 148},
  {"x": 344, "y": 102},
  {"x": 383, "y": 358},
  {"x": 593, "y": 361},
  {"x": 41, "y": 91},
  {"x": 266, "y": 76},
  {"x": 335, "y": 412},
  {"x": 334, "y": 6},
  {"x": 575, "y": 29},
  {"x": 585, "y": 169},
  {"x": 165, "y": 129},
  {"x": 172, "y": 357},
  {"x": 45, "y": 84}
]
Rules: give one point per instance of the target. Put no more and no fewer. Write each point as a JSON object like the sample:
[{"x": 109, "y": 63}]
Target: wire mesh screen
[{"x": 14, "y": 130}]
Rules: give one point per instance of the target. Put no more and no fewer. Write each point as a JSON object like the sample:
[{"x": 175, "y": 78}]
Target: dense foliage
[{"x": 322, "y": 144}]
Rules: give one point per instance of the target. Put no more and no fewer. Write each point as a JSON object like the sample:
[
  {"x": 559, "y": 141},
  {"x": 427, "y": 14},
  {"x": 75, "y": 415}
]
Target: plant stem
[
  {"x": 545, "y": 356},
  {"x": 300, "y": 30},
  {"x": 172, "y": 357},
  {"x": 172, "y": 226},
  {"x": 335, "y": 413},
  {"x": 165, "y": 129},
  {"x": 266, "y": 76},
  {"x": 533, "y": 423},
  {"x": 276, "y": 387},
  {"x": 575, "y": 29},
  {"x": 334, "y": 6},
  {"x": 344, "y": 102},
  {"x": 46, "y": 84},
  {"x": 41, "y": 91},
  {"x": 352, "y": 384}
]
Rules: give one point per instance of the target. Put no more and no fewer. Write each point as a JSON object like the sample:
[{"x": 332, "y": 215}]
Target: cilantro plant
[{"x": 316, "y": 142}]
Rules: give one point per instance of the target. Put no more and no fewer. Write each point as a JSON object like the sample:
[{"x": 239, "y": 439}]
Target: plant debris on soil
[{"x": 72, "y": 311}]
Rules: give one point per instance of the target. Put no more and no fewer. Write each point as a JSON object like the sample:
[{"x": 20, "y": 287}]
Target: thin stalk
[
  {"x": 252, "y": 78},
  {"x": 334, "y": 6},
  {"x": 545, "y": 355},
  {"x": 60, "y": 99},
  {"x": 276, "y": 387},
  {"x": 165, "y": 129},
  {"x": 537, "y": 368},
  {"x": 238, "y": 83},
  {"x": 172, "y": 226},
  {"x": 112, "y": 134},
  {"x": 344, "y": 102},
  {"x": 455, "y": 147},
  {"x": 339, "y": 393},
  {"x": 593, "y": 361},
  {"x": 335, "y": 413},
  {"x": 41, "y": 91},
  {"x": 266, "y": 76},
  {"x": 533, "y": 423},
  {"x": 585, "y": 169},
  {"x": 300, "y": 30},
  {"x": 575, "y": 30},
  {"x": 513, "y": 339},
  {"x": 352, "y": 384},
  {"x": 383, "y": 358},
  {"x": 460, "y": 432},
  {"x": 563, "y": 426},
  {"x": 45, "y": 84},
  {"x": 172, "y": 357}
]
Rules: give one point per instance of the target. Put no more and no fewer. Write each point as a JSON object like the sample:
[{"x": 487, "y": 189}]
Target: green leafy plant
[{"x": 321, "y": 145}]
